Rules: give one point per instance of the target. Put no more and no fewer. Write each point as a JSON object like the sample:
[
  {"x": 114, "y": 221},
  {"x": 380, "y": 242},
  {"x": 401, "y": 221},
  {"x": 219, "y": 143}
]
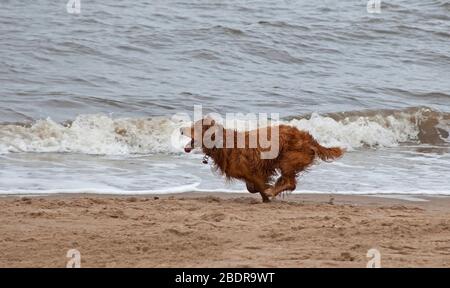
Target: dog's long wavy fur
[{"x": 297, "y": 152}]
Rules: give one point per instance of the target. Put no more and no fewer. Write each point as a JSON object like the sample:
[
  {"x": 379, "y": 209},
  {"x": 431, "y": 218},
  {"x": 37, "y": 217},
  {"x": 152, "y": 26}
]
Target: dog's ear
[
  {"x": 209, "y": 121},
  {"x": 213, "y": 137}
]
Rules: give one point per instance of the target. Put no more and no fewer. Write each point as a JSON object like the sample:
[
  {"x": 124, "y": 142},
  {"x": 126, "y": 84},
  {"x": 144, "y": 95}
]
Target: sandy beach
[{"x": 223, "y": 230}]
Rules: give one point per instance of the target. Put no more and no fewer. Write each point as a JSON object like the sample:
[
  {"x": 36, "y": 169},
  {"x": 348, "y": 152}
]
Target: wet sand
[{"x": 223, "y": 230}]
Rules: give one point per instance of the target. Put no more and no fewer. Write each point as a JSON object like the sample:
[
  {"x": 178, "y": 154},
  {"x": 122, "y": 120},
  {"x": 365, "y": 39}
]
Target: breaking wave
[
  {"x": 378, "y": 128},
  {"x": 101, "y": 134}
]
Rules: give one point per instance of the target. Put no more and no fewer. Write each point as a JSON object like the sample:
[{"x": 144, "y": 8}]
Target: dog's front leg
[
  {"x": 252, "y": 188},
  {"x": 261, "y": 186},
  {"x": 264, "y": 197}
]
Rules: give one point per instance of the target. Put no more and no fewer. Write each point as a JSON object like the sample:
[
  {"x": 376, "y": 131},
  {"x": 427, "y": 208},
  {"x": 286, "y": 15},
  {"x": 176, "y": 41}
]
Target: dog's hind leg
[
  {"x": 291, "y": 163},
  {"x": 285, "y": 183}
]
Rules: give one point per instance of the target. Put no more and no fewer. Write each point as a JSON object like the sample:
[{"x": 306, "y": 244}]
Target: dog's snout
[
  {"x": 181, "y": 131},
  {"x": 189, "y": 146}
]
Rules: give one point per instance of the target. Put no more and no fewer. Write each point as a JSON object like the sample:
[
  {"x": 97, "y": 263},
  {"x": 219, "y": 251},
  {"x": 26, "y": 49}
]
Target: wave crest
[
  {"x": 377, "y": 128},
  {"x": 101, "y": 134},
  {"x": 91, "y": 134}
]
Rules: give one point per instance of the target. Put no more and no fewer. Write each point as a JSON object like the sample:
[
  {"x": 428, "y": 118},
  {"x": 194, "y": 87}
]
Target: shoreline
[
  {"x": 413, "y": 197},
  {"x": 202, "y": 229}
]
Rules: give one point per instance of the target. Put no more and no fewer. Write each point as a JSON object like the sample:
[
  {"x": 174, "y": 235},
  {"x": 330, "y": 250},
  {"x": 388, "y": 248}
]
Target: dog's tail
[{"x": 327, "y": 154}]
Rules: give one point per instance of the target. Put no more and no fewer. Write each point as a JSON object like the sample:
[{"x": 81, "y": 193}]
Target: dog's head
[{"x": 197, "y": 132}]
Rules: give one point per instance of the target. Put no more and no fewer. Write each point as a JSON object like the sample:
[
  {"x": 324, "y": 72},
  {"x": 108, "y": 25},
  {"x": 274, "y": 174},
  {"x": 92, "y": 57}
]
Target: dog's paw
[
  {"x": 269, "y": 192},
  {"x": 266, "y": 200}
]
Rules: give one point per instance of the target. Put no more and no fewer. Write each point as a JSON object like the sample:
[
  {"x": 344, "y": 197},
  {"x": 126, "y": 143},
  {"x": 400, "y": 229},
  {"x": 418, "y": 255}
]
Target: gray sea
[{"x": 89, "y": 101}]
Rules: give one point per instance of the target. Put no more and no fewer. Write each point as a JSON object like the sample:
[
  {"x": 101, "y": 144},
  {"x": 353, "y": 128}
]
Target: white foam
[
  {"x": 444, "y": 125},
  {"x": 94, "y": 134},
  {"x": 364, "y": 131},
  {"x": 112, "y": 191},
  {"x": 101, "y": 134}
]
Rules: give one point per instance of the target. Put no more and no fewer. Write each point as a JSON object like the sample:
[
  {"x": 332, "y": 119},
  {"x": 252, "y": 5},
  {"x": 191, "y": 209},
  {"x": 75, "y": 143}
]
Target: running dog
[{"x": 297, "y": 151}]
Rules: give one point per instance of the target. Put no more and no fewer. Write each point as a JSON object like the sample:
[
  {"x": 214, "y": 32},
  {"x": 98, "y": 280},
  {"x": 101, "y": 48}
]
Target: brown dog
[{"x": 296, "y": 152}]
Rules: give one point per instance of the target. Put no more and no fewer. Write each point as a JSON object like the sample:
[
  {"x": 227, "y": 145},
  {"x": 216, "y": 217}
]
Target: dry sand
[{"x": 223, "y": 230}]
